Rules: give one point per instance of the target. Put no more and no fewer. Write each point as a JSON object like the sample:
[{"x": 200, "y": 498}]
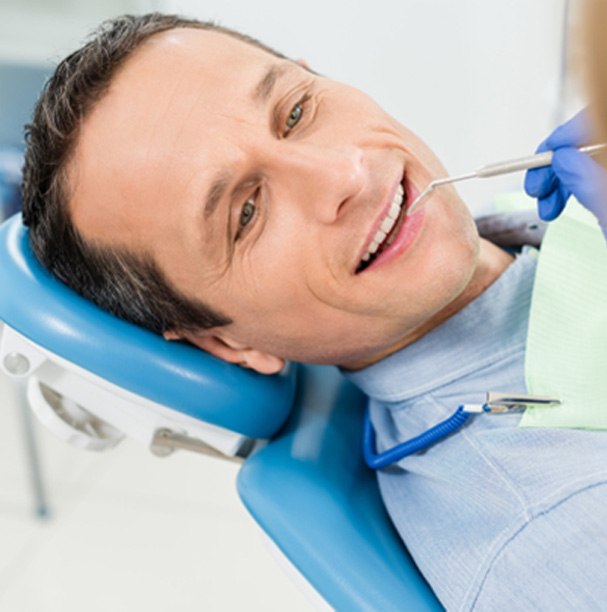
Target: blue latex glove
[{"x": 571, "y": 172}]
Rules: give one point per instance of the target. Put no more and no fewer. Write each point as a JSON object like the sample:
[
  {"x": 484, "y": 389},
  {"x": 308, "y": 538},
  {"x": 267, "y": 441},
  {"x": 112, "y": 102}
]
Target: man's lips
[{"x": 386, "y": 226}]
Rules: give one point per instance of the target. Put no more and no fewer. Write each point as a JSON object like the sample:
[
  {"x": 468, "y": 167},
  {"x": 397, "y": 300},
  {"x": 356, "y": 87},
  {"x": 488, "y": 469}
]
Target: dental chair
[{"x": 94, "y": 379}]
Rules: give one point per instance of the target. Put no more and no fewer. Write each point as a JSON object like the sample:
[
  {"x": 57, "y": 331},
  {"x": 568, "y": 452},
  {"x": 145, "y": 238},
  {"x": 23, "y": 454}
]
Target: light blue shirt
[{"x": 496, "y": 517}]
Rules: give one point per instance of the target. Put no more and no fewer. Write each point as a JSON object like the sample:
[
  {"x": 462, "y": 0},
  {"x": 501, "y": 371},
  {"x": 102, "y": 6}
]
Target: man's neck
[{"x": 492, "y": 262}]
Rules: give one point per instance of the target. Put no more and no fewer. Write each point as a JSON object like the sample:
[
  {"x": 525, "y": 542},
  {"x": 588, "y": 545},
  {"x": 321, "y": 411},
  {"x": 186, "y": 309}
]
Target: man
[{"x": 197, "y": 183}]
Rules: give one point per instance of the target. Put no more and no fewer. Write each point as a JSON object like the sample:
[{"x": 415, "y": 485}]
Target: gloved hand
[{"x": 571, "y": 172}]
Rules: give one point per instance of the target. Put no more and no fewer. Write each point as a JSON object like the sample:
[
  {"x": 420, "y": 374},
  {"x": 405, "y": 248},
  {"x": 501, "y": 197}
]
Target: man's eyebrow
[
  {"x": 215, "y": 193},
  {"x": 264, "y": 88}
]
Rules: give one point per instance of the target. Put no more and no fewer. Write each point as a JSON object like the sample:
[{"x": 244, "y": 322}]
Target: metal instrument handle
[{"x": 539, "y": 160}]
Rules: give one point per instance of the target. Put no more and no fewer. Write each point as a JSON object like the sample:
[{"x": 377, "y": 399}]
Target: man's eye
[
  {"x": 295, "y": 115},
  {"x": 246, "y": 215}
]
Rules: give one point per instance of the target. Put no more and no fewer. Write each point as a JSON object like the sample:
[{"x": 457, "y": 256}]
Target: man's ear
[{"x": 229, "y": 350}]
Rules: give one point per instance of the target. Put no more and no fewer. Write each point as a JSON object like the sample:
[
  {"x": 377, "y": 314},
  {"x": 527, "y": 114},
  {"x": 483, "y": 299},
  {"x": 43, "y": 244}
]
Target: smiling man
[
  {"x": 197, "y": 183},
  {"x": 261, "y": 189}
]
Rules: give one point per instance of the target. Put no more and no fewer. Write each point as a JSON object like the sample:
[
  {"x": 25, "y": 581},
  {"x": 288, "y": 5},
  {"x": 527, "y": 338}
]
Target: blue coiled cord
[{"x": 377, "y": 461}]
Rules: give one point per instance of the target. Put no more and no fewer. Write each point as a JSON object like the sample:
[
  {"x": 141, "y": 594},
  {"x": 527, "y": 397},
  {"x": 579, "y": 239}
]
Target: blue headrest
[{"x": 177, "y": 375}]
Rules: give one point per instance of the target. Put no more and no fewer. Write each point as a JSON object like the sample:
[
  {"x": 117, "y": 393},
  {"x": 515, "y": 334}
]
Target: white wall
[{"x": 477, "y": 79}]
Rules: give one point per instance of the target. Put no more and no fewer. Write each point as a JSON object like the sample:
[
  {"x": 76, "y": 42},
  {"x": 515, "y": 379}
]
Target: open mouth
[{"x": 387, "y": 231}]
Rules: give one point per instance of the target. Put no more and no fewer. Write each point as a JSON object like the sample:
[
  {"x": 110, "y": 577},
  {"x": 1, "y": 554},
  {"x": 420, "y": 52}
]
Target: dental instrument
[{"x": 539, "y": 160}]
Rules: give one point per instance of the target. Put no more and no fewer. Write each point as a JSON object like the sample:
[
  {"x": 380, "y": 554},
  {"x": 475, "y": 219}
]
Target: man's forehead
[
  {"x": 197, "y": 47},
  {"x": 187, "y": 65}
]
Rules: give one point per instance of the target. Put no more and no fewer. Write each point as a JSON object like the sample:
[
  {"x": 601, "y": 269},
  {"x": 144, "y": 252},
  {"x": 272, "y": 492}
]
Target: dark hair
[{"x": 129, "y": 285}]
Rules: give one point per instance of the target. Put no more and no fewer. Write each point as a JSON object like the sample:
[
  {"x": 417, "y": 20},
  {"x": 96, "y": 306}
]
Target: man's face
[{"x": 259, "y": 187}]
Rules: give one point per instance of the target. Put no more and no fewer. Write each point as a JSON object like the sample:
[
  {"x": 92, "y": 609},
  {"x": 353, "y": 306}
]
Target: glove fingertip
[
  {"x": 551, "y": 207},
  {"x": 537, "y": 182}
]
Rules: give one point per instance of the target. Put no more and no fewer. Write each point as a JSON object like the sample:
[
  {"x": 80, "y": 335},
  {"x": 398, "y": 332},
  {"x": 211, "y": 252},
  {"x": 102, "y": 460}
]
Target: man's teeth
[{"x": 387, "y": 225}]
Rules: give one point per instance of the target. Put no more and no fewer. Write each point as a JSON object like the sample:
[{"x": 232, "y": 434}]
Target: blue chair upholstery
[
  {"x": 312, "y": 493},
  {"x": 308, "y": 488}
]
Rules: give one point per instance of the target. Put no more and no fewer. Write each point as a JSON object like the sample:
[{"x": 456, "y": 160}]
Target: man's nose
[{"x": 321, "y": 179}]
